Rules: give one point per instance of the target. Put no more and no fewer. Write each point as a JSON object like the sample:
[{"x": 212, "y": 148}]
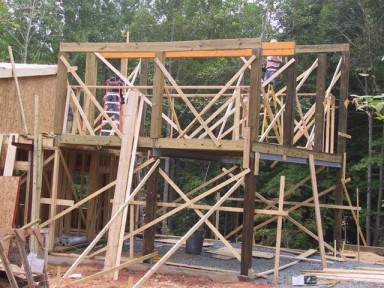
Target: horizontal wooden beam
[
  {"x": 228, "y": 147},
  {"x": 162, "y": 46},
  {"x": 61, "y": 202},
  {"x": 269, "y": 49},
  {"x": 278, "y": 48},
  {"x": 323, "y": 48}
]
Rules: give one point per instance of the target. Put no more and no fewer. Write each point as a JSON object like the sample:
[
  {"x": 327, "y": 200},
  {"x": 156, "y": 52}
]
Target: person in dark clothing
[{"x": 116, "y": 81}]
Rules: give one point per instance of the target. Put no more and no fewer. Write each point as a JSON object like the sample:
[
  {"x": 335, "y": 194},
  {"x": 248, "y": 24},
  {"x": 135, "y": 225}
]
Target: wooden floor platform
[{"x": 203, "y": 149}]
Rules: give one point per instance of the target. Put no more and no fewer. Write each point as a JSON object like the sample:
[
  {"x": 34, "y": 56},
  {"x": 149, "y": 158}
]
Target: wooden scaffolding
[{"x": 243, "y": 120}]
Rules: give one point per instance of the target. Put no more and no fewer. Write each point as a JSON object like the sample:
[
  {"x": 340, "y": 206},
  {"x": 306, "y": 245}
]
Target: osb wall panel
[
  {"x": 9, "y": 199},
  {"x": 10, "y": 114}
]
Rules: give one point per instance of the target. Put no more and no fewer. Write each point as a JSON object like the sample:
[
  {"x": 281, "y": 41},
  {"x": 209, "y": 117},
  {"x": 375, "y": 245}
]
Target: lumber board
[
  {"x": 169, "y": 263},
  {"x": 279, "y": 228},
  {"x": 11, "y": 155},
  {"x": 196, "y": 45},
  {"x": 302, "y": 255},
  {"x": 113, "y": 269},
  {"x": 376, "y": 250},
  {"x": 322, "y": 48},
  {"x": 174, "y": 241},
  {"x": 317, "y": 210},
  {"x": 223, "y": 251}
]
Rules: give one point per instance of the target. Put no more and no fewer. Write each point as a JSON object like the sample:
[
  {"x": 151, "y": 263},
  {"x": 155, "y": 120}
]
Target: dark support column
[
  {"x": 61, "y": 94},
  {"x": 341, "y": 145},
  {"x": 157, "y": 99},
  {"x": 150, "y": 213},
  {"x": 320, "y": 96},
  {"x": 250, "y": 178},
  {"x": 289, "y": 114}
]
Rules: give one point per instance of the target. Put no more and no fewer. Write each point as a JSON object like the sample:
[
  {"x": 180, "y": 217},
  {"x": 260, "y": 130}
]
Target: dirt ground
[{"x": 157, "y": 280}]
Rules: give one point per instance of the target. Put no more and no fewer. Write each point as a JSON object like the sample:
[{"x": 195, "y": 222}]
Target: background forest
[{"x": 34, "y": 29}]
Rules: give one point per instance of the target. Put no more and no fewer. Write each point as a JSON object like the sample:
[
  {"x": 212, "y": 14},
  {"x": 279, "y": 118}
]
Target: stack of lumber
[{"x": 362, "y": 274}]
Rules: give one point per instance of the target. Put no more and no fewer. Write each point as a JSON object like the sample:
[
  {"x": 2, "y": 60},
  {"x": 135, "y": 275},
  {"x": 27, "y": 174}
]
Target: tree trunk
[
  {"x": 377, "y": 234},
  {"x": 369, "y": 178}
]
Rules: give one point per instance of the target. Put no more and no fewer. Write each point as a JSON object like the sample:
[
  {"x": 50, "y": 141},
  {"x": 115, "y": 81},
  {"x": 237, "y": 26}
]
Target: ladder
[{"x": 112, "y": 106}]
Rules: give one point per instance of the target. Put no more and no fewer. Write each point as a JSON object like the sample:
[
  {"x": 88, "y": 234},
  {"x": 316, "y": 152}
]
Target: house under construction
[{"x": 103, "y": 156}]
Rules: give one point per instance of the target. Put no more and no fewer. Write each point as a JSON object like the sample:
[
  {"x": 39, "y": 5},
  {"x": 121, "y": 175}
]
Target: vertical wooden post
[
  {"x": 150, "y": 213},
  {"x": 254, "y": 103},
  {"x": 68, "y": 192},
  {"x": 317, "y": 211},
  {"x": 289, "y": 115},
  {"x": 122, "y": 189},
  {"x": 93, "y": 185},
  {"x": 341, "y": 145},
  {"x": 90, "y": 79},
  {"x": 61, "y": 93},
  {"x": 157, "y": 100},
  {"x": 279, "y": 227},
  {"x": 53, "y": 206},
  {"x": 320, "y": 96},
  {"x": 143, "y": 82}
]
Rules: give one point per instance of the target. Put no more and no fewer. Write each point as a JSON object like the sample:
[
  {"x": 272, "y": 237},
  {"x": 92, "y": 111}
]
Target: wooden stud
[
  {"x": 157, "y": 99},
  {"x": 90, "y": 79},
  {"x": 279, "y": 227},
  {"x": 92, "y": 210},
  {"x": 11, "y": 155},
  {"x": 353, "y": 212},
  {"x": 53, "y": 206},
  {"x": 61, "y": 92},
  {"x": 320, "y": 94},
  {"x": 317, "y": 210},
  {"x": 143, "y": 82}
]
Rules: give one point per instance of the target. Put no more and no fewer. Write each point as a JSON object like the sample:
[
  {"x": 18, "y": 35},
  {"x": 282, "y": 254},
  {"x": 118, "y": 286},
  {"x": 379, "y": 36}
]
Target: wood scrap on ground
[
  {"x": 349, "y": 275},
  {"x": 174, "y": 241},
  {"x": 302, "y": 255},
  {"x": 225, "y": 252}
]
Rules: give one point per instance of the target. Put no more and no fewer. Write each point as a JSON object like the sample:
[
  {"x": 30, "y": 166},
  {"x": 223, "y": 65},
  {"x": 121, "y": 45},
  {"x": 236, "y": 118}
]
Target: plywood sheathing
[
  {"x": 9, "y": 197},
  {"x": 10, "y": 115}
]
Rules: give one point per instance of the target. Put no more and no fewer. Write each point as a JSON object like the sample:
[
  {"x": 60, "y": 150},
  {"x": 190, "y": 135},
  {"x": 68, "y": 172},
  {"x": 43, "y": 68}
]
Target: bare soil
[{"x": 157, "y": 280}]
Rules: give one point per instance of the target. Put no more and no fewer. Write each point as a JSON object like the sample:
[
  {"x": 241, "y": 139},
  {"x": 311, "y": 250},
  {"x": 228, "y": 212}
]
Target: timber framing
[{"x": 241, "y": 123}]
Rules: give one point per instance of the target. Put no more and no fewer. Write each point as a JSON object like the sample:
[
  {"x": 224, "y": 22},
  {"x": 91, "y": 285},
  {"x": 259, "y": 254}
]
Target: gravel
[{"x": 261, "y": 264}]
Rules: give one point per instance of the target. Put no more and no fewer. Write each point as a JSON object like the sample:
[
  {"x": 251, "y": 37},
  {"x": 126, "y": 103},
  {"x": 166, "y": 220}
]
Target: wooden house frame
[{"x": 241, "y": 120}]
